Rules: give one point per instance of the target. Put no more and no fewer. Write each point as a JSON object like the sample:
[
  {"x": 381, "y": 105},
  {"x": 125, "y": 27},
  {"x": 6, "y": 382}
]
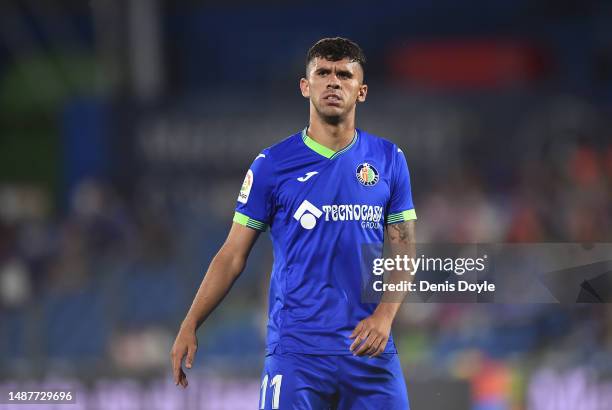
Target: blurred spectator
[{"x": 15, "y": 287}]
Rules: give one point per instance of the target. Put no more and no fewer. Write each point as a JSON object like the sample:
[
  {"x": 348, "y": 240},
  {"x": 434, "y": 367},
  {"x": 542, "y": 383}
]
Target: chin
[
  {"x": 332, "y": 119},
  {"x": 332, "y": 112}
]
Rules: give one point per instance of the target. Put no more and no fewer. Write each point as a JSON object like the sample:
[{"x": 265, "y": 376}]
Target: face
[{"x": 334, "y": 87}]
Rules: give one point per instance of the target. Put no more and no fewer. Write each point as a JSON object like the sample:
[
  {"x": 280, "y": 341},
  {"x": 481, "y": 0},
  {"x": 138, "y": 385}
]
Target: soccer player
[{"x": 324, "y": 192}]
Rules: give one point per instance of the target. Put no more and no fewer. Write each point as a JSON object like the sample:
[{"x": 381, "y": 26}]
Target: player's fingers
[
  {"x": 183, "y": 379},
  {"x": 360, "y": 338},
  {"x": 355, "y": 343},
  {"x": 364, "y": 347},
  {"x": 381, "y": 348},
  {"x": 177, "y": 358},
  {"x": 376, "y": 348},
  {"x": 191, "y": 351},
  {"x": 370, "y": 341},
  {"x": 372, "y": 349},
  {"x": 357, "y": 330},
  {"x": 177, "y": 375}
]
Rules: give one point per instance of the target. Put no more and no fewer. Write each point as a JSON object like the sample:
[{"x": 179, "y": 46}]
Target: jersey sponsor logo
[
  {"x": 369, "y": 216},
  {"x": 307, "y": 214},
  {"x": 308, "y": 176},
  {"x": 245, "y": 190},
  {"x": 366, "y": 174}
]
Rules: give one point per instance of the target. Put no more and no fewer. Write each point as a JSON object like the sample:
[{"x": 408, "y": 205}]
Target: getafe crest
[{"x": 366, "y": 174}]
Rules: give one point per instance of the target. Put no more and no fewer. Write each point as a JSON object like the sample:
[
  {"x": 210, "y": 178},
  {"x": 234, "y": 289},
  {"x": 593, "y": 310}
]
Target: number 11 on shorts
[{"x": 275, "y": 384}]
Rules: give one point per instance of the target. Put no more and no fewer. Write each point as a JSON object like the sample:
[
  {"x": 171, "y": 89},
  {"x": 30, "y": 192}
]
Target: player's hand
[
  {"x": 186, "y": 344},
  {"x": 371, "y": 335}
]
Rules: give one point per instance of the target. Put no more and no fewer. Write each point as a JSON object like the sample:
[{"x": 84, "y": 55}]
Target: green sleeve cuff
[
  {"x": 244, "y": 220},
  {"x": 401, "y": 217}
]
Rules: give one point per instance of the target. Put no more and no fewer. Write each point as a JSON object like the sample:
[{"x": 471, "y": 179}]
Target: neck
[{"x": 332, "y": 134}]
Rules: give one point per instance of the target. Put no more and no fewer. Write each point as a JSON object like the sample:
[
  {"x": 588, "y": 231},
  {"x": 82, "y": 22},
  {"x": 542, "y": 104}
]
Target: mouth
[{"x": 332, "y": 99}]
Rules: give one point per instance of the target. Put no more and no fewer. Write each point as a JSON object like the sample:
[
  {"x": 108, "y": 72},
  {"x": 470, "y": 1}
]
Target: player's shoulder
[
  {"x": 281, "y": 148},
  {"x": 377, "y": 142},
  {"x": 286, "y": 145},
  {"x": 270, "y": 160}
]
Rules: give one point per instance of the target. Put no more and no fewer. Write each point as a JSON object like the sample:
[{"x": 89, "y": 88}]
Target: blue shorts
[{"x": 305, "y": 382}]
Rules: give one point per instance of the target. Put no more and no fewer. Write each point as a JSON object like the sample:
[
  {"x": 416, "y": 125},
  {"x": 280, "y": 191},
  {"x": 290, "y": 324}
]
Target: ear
[
  {"x": 305, "y": 87},
  {"x": 363, "y": 92}
]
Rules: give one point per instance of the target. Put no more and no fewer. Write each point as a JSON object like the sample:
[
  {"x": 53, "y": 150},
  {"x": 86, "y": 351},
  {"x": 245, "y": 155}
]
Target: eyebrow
[
  {"x": 345, "y": 73},
  {"x": 340, "y": 72}
]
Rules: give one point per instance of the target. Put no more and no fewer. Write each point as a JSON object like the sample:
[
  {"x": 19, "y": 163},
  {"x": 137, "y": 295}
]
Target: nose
[{"x": 333, "y": 83}]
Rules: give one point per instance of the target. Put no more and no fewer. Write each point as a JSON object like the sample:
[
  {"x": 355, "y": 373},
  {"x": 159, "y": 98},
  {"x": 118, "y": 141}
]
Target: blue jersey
[{"x": 322, "y": 207}]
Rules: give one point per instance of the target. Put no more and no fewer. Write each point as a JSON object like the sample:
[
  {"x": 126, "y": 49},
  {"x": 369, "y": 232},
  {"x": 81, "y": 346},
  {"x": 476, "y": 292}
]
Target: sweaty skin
[{"x": 334, "y": 88}]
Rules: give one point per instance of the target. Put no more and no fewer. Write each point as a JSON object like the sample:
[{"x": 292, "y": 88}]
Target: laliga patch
[
  {"x": 245, "y": 190},
  {"x": 367, "y": 175}
]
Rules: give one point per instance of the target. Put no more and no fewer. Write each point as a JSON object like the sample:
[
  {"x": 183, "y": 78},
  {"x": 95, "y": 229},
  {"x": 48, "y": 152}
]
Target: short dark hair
[{"x": 335, "y": 49}]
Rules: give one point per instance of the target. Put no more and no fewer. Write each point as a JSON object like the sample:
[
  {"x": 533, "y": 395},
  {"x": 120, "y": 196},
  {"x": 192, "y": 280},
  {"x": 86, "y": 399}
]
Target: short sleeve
[
  {"x": 254, "y": 203},
  {"x": 400, "y": 206}
]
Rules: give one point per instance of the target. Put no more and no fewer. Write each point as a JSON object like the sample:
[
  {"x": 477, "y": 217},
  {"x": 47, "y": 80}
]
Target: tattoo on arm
[
  {"x": 401, "y": 232},
  {"x": 401, "y": 243}
]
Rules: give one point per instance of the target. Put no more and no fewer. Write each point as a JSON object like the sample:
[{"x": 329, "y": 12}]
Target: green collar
[{"x": 322, "y": 149}]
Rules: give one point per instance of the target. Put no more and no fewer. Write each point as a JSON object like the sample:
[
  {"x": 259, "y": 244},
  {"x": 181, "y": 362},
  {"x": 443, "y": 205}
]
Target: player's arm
[
  {"x": 402, "y": 242},
  {"x": 372, "y": 333},
  {"x": 224, "y": 269}
]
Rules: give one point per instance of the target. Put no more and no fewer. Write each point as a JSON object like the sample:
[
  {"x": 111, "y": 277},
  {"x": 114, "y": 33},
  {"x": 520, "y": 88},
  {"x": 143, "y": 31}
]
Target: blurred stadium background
[{"x": 125, "y": 131}]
